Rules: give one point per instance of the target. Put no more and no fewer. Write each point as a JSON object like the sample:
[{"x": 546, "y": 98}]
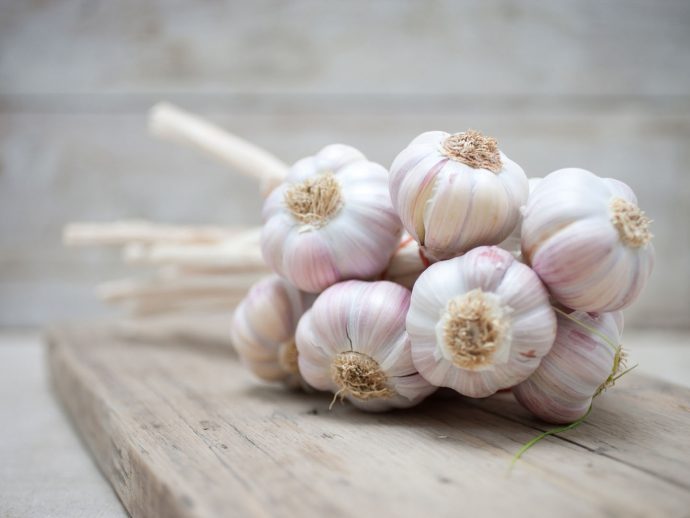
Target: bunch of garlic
[
  {"x": 263, "y": 329},
  {"x": 353, "y": 343},
  {"x": 455, "y": 192},
  {"x": 477, "y": 319},
  {"x": 331, "y": 220},
  {"x": 513, "y": 243}
]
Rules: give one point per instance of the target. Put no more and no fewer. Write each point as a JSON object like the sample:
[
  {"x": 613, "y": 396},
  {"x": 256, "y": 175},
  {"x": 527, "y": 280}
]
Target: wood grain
[{"x": 181, "y": 431}]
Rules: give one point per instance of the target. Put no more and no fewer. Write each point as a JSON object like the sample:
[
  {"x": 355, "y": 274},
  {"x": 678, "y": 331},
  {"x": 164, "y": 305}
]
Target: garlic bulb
[
  {"x": 580, "y": 364},
  {"x": 513, "y": 242},
  {"x": 407, "y": 263},
  {"x": 331, "y": 219},
  {"x": 480, "y": 322},
  {"x": 353, "y": 342},
  {"x": 263, "y": 329},
  {"x": 454, "y": 192},
  {"x": 587, "y": 240}
]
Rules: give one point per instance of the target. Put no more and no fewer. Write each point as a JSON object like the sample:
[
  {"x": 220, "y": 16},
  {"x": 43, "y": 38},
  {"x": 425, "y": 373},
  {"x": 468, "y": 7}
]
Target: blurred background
[{"x": 599, "y": 85}]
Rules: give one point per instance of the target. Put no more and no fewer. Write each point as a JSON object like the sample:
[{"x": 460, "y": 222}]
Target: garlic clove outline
[
  {"x": 480, "y": 322},
  {"x": 331, "y": 220},
  {"x": 513, "y": 243},
  {"x": 587, "y": 240},
  {"x": 455, "y": 192},
  {"x": 582, "y": 362},
  {"x": 263, "y": 329},
  {"x": 407, "y": 264},
  {"x": 353, "y": 343}
]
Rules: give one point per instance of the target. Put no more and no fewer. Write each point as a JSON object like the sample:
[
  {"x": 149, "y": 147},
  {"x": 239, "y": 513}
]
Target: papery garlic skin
[
  {"x": 479, "y": 323},
  {"x": 331, "y": 220},
  {"x": 513, "y": 243},
  {"x": 587, "y": 240},
  {"x": 451, "y": 203},
  {"x": 353, "y": 343},
  {"x": 263, "y": 329},
  {"x": 407, "y": 264},
  {"x": 579, "y": 363}
]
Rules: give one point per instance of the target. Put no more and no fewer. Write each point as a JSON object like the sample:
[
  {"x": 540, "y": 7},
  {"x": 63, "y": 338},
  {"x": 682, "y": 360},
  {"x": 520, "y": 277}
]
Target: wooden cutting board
[{"x": 181, "y": 430}]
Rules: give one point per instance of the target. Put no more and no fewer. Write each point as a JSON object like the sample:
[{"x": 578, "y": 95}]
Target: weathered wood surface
[{"x": 181, "y": 431}]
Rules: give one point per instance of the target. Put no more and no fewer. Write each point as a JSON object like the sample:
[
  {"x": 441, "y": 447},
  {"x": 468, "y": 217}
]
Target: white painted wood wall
[{"x": 603, "y": 85}]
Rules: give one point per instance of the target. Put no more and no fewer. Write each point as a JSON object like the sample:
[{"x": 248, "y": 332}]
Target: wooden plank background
[{"x": 601, "y": 85}]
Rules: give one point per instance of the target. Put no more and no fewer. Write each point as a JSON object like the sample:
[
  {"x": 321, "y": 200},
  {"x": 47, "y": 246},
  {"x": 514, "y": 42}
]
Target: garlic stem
[
  {"x": 566, "y": 428},
  {"x": 545, "y": 434},
  {"x": 614, "y": 347},
  {"x": 144, "y": 308},
  {"x": 128, "y": 231},
  {"x": 223, "y": 258},
  {"x": 236, "y": 253},
  {"x": 609, "y": 382},
  {"x": 169, "y": 122},
  {"x": 183, "y": 288}
]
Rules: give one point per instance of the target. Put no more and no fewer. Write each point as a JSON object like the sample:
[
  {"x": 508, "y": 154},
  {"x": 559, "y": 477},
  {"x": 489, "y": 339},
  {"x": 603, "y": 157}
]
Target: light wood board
[{"x": 184, "y": 431}]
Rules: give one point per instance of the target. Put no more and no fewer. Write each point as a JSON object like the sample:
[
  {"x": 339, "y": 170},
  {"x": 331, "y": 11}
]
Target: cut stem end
[
  {"x": 631, "y": 223},
  {"x": 359, "y": 376},
  {"x": 315, "y": 200},
  {"x": 474, "y": 329},
  {"x": 288, "y": 357},
  {"x": 473, "y": 149}
]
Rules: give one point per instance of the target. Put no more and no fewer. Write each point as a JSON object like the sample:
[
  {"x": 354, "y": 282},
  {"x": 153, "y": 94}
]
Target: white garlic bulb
[
  {"x": 353, "y": 343},
  {"x": 479, "y": 323},
  {"x": 588, "y": 241},
  {"x": 263, "y": 329},
  {"x": 513, "y": 242},
  {"x": 407, "y": 264},
  {"x": 331, "y": 220},
  {"x": 455, "y": 192},
  {"x": 580, "y": 364}
]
